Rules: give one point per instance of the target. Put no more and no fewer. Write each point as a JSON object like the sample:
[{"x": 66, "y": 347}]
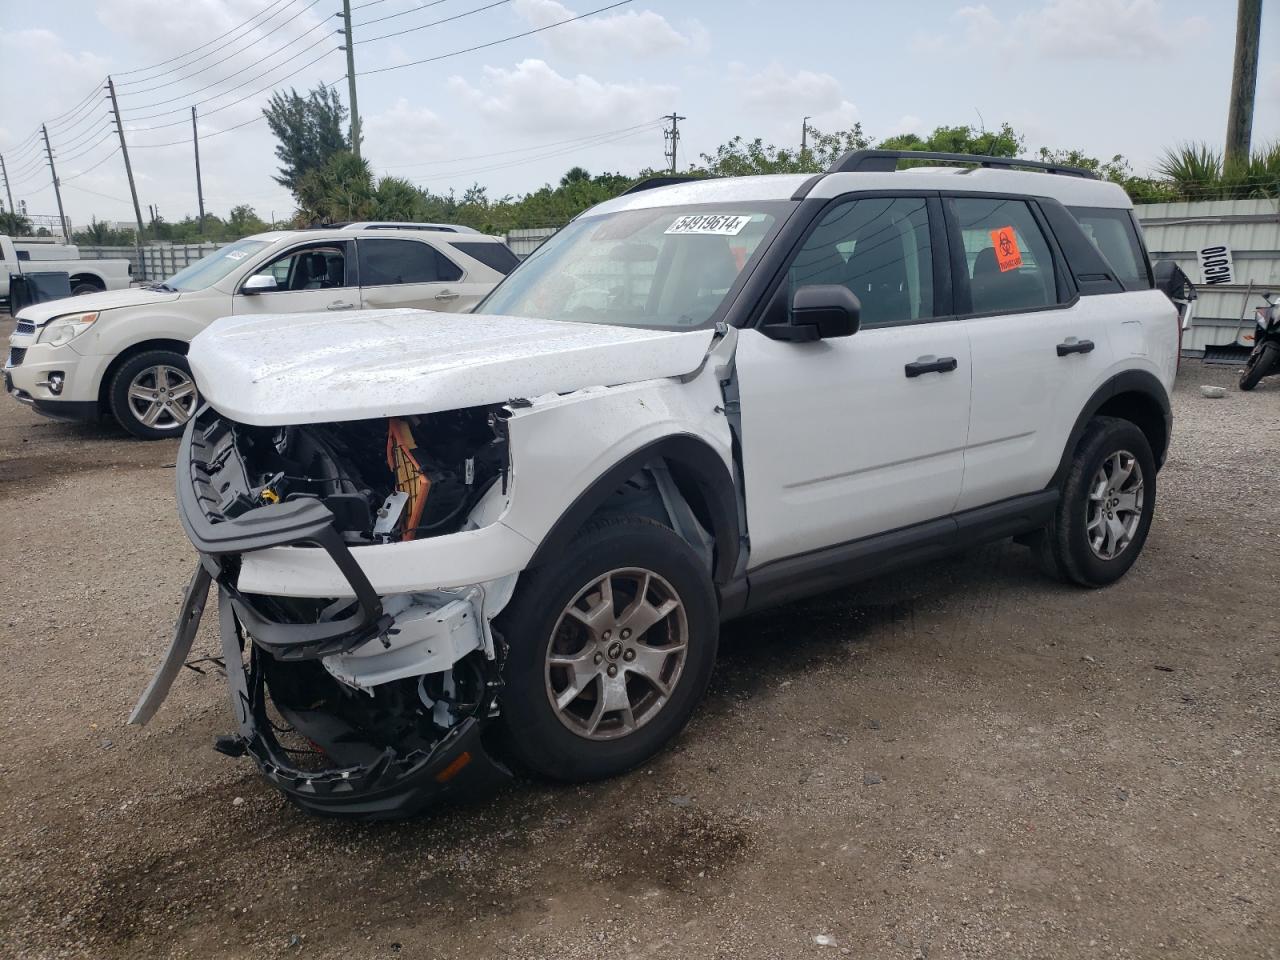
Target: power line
[
  {"x": 230, "y": 56},
  {"x": 90, "y": 149},
  {"x": 494, "y": 43},
  {"x": 104, "y": 196},
  {"x": 402, "y": 13},
  {"x": 60, "y": 120},
  {"x": 77, "y": 176},
  {"x": 78, "y": 142},
  {"x": 434, "y": 23},
  {"x": 125, "y": 73},
  {"x": 226, "y": 106},
  {"x": 454, "y": 174}
]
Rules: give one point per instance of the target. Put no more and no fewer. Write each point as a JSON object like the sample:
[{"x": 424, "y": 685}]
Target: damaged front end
[{"x": 354, "y": 704}]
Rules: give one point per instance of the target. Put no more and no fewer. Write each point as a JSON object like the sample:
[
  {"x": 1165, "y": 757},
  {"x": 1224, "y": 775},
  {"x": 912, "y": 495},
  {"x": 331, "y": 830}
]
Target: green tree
[
  {"x": 310, "y": 131},
  {"x": 242, "y": 221},
  {"x": 14, "y": 224},
  {"x": 743, "y": 158},
  {"x": 1005, "y": 142},
  {"x": 102, "y": 234}
]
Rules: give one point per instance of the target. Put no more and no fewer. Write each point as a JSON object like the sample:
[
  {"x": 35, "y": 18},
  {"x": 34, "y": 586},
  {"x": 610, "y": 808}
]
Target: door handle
[
  {"x": 1072, "y": 345},
  {"x": 446, "y": 295},
  {"x": 931, "y": 365},
  {"x": 340, "y": 305}
]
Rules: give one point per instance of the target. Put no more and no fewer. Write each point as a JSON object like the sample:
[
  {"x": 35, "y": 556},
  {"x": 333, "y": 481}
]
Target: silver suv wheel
[
  {"x": 617, "y": 653},
  {"x": 1115, "y": 505},
  {"x": 162, "y": 397}
]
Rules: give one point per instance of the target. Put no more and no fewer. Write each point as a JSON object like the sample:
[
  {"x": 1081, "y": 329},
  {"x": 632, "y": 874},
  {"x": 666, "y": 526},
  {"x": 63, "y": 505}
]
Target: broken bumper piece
[{"x": 381, "y": 705}]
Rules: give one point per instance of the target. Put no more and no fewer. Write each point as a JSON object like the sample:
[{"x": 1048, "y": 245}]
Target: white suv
[
  {"x": 448, "y": 543},
  {"x": 124, "y": 351}
]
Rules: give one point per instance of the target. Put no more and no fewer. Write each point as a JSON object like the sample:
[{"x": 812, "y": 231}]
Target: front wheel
[
  {"x": 153, "y": 395},
  {"x": 611, "y": 646},
  {"x": 1261, "y": 363},
  {"x": 1105, "y": 510}
]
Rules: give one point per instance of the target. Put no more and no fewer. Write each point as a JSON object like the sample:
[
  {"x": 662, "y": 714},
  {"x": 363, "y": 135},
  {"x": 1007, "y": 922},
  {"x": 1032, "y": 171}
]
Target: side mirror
[
  {"x": 1173, "y": 282},
  {"x": 819, "y": 312},
  {"x": 259, "y": 283}
]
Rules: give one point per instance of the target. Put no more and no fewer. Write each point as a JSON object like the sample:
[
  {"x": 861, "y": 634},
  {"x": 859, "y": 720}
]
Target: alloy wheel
[
  {"x": 1115, "y": 505},
  {"x": 162, "y": 397},
  {"x": 616, "y": 654}
]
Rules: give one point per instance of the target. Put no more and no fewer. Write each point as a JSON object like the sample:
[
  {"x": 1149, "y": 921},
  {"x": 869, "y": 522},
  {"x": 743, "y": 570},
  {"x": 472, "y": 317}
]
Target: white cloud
[
  {"x": 1074, "y": 29},
  {"x": 787, "y": 95},
  {"x": 532, "y": 98},
  {"x": 636, "y": 33},
  {"x": 405, "y": 134}
]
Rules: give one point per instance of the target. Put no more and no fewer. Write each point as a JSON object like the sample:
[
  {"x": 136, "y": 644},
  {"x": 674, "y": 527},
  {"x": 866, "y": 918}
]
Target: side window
[
  {"x": 1010, "y": 263},
  {"x": 1114, "y": 234},
  {"x": 318, "y": 267},
  {"x": 388, "y": 262},
  {"x": 495, "y": 256},
  {"x": 879, "y": 248}
]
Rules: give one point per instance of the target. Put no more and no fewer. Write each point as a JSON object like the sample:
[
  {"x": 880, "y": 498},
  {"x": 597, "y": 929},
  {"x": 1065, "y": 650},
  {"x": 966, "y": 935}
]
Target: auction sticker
[
  {"x": 716, "y": 224},
  {"x": 1008, "y": 256},
  {"x": 237, "y": 254}
]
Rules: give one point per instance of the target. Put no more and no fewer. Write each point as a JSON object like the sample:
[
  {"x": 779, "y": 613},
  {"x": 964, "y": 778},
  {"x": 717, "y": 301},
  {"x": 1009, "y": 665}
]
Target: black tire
[
  {"x": 532, "y": 729},
  {"x": 1261, "y": 363},
  {"x": 118, "y": 394},
  {"x": 80, "y": 288},
  {"x": 1063, "y": 548}
]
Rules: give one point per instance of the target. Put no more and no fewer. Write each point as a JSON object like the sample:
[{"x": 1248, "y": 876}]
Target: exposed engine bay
[{"x": 386, "y": 480}]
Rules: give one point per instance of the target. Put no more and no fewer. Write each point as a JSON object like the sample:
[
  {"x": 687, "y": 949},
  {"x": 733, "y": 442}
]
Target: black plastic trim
[
  {"x": 1130, "y": 381},
  {"x": 291, "y": 523},
  {"x": 69, "y": 411},
  {"x": 690, "y": 460},
  {"x": 793, "y": 578},
  {"x": 886, "y": 161},
  {"x": 652, "y": 183}
]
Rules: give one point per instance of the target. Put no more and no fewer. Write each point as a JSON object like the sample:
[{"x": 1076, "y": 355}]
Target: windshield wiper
[{"x": 160, "y": 286}]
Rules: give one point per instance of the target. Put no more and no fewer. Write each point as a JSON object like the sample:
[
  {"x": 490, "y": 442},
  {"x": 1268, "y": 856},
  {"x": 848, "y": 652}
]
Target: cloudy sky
[{"x": 1107, "y": 76}]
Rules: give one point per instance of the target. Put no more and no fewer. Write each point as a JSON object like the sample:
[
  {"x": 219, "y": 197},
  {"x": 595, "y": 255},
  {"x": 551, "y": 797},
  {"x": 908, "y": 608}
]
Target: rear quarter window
[
  {"x": 495, "y": 256},
  {"x": 1115, "y": 235}
]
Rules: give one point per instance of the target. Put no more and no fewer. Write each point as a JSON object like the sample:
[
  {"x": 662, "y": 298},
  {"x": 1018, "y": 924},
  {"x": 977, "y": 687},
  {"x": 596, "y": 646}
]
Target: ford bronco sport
[{"x": 443, "y": 544}]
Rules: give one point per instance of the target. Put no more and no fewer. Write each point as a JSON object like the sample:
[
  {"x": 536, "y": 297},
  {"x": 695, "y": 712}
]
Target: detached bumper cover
[{"x": 392, "y": 785}]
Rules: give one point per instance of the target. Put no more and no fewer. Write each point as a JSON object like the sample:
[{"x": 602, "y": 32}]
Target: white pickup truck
[{"x": 27, "y": 254}]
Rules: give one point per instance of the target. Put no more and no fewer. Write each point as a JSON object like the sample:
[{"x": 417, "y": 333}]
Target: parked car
[
  {"x": 125, "y": 352},
  {"x": 515, "y": 534},
  {"x": 23, "y": 254}
]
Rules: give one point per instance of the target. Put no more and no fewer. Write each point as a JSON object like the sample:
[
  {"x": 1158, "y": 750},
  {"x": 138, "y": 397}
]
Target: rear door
[
  {"x": 1039, "y": 349},
  {"x": 408, "y": 272},
  {"x": 858, "y": 435},
  {"x": 310, "y": 277}
]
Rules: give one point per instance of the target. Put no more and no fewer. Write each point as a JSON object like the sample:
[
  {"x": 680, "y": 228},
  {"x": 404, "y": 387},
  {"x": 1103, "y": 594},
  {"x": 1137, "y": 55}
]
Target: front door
[
  {"x": 405, "y": 272},
  {"x": 855, "y": 436},
  {"x": 309, "y": 278}
]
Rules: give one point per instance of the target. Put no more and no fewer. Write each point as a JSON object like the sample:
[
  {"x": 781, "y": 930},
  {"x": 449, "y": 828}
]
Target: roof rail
[
  {"x": 886, "y": 161},
  {"x": 650, "y": 183}
]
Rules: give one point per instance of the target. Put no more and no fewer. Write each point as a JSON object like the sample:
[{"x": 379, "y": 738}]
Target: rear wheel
[
  {"x": 1104, "y": 513},
  {"x": 1261, "y": 363},
  {"x": 153, "y": 395},
  {"x": 80, "y": 288},
  {"x": 610, "y": 649}
]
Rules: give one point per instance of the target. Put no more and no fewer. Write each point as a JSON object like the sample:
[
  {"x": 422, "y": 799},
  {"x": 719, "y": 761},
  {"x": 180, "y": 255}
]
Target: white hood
[
  {"x": 107, "y": 300},
  {"x": 315, "y": 367}
]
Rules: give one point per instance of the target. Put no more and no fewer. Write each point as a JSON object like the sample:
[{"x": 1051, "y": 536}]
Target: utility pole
[
  {"x": 57, "y": 188},
  {"x": 8, "y": 192},
  {"x": 1244, "y": 82},
  {"x": 672, "y": 137},
  {"x": 349, "y": 46},
  {"x": 128, "y": 170},
  {"x": 195, "y": 141},
  {"x": 804, "y": 134}
]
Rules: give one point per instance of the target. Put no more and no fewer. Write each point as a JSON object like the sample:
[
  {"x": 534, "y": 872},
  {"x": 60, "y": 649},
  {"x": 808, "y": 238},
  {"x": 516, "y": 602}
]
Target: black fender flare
[
  {"x": 1130, "y": 381},
  {"x": 691, "y": 461}
]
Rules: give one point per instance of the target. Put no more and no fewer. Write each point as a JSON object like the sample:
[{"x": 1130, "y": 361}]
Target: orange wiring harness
[{"x": 410, "y": 478}]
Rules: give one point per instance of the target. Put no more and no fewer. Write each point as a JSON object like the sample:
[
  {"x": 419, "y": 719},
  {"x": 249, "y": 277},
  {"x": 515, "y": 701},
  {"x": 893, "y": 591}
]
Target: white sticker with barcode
[{"x": 718, "y": 224}]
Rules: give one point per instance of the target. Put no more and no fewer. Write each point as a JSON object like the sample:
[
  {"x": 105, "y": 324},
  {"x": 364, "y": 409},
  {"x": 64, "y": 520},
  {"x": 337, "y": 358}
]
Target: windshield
[
  {"x": 205, "y": 273},
  {"x": 669, "y": 267}
]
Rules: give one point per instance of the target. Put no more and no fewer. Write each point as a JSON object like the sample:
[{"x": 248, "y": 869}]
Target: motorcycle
[{"x": 1265, "y": 359}]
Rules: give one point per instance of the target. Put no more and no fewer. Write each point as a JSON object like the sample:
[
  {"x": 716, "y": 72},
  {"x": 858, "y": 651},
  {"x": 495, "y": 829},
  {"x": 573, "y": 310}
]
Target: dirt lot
[{"x": 962, "y": 761}]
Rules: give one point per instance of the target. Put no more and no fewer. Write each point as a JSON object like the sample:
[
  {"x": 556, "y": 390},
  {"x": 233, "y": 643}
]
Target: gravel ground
[{"x": 965, "y": 760}]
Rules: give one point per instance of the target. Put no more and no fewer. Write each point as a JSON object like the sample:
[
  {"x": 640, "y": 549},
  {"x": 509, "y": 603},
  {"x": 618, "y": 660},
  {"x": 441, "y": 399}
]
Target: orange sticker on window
[{"x": 1008, "y": 256}]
